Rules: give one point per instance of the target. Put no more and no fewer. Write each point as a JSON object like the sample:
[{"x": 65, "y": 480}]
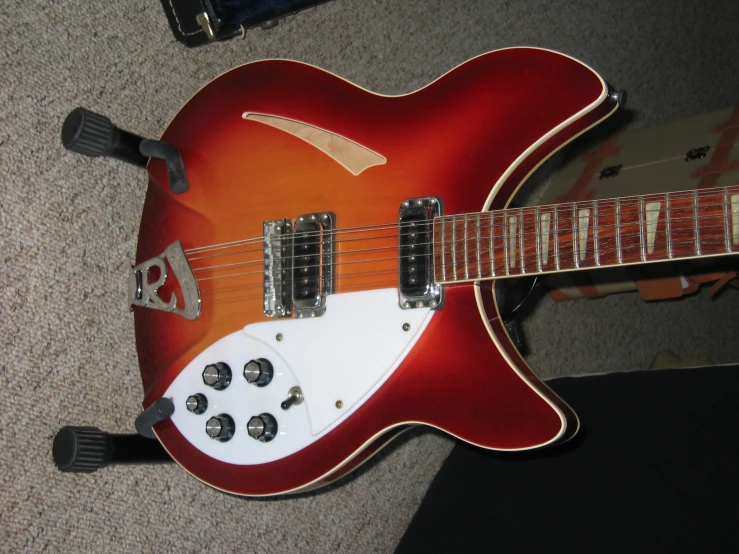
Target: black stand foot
[
  {"x": 94, "y": 135},
  {"x": 87, "y": 449}
]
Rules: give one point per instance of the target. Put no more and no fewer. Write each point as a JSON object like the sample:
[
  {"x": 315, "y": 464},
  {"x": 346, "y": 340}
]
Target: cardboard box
[{"x": 695, "y": 153}]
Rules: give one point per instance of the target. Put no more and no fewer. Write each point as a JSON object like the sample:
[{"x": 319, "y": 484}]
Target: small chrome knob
[
  {"x": 262, "y": 427},
  {"x": 619, "y": 96},
  {"x": 220, "y": 427},
  {"x": 197, "y": 403},
  {"x": 217, "y": 375},
  {"x": 259, "y": 372}
]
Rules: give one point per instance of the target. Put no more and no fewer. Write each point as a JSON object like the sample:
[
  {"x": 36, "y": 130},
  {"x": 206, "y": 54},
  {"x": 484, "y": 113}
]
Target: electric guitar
[{"x": 324, "y": 281}]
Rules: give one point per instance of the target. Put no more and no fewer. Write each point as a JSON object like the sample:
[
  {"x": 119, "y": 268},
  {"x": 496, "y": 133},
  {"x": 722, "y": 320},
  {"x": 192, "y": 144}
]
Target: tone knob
[
  {"x": 262, "y": 427},
  {"x": 217, "y": 375},
  {"x": 220, "y": 427},
  {"x": 258, "y": 372},
  {"x": 197, "y": 403}
]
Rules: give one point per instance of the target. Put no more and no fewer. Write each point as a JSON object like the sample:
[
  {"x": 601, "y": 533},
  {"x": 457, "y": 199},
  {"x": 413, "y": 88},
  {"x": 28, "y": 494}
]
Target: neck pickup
[{"x": 416, "y": 257}]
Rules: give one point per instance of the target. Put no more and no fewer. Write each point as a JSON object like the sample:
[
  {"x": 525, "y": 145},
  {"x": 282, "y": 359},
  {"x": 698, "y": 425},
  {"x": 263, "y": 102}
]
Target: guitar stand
[
  {"x": 87, "y": 449},
  {"x": 94, "y": 135}
]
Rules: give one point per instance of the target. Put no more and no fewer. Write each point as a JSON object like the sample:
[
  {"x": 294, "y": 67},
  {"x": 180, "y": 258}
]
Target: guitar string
[
  {"x": 393, "y": 282},
  {"x": 606, "y": 202},
  {"x": 626, "y": 251},
  {"x": 452, "y": 219},
  {"x": 454, "y": 237},
  {"x": 506, "y": 214},
  {"x": 603, "y": 203},
  {"x": 563, "y": 251}
]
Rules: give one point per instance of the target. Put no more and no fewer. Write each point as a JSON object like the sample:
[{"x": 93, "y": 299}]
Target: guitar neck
[{"x": 579, "y": 235}]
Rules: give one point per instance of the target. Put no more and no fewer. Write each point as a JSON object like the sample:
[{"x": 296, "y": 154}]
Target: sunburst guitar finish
[{"x": 273, "y": 140}]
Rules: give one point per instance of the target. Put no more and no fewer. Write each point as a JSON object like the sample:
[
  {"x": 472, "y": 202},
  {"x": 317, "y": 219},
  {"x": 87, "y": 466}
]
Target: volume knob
[
  {"x": 258, "y": 372},
  {"x": 220, "y": 427},
  {"x": 217, "y": 375},
  {"x": 262, "y": 427}
]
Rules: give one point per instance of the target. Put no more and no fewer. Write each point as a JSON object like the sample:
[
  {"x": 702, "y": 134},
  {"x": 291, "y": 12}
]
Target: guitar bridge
[{"x": 298, "y": 265}]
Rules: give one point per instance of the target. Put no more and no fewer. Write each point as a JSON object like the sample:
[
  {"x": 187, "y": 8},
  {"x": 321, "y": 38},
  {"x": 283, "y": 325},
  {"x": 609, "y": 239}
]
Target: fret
[
  {"x": 500, "y": 243},
  {"x": 521, "y": 236},
  {"x": 642, "y": 238},
  {"x": 555, "y": 238},
  {"x": 466, "y": 256},
  {"x": 505, "y": 245},
  {"x": 596, "y": 246},
  {"x": 695, "y": 223},
  {"x": 443, "y": 250},
  {"x": 726, "y": 220},
  {"x": 617, "y": 230},
  {"x": 735, "y": 219},
  {"x": 479, "y": 265},
  {"x": 575, "y": 235},
  {"x": 454, "y": 248},
  {"x": 492, "y": 251},
  {"x": 668, "y": 223},
  {"x": 538, "y": 240}
]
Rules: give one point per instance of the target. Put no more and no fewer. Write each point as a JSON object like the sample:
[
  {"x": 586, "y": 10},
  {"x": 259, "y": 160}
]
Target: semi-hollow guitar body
[{"x": 299, "y": 177}]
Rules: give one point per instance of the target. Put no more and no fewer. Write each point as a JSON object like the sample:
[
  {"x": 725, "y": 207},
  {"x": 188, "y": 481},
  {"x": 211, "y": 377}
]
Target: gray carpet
[{"x": 69, "y": 228}]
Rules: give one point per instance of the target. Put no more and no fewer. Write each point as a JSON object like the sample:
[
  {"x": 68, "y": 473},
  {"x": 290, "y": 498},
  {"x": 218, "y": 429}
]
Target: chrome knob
[
  {"x": 197, "y": 403},
  {"x": 618, "y": 96},
  {"x": 220, "y": 427},
  {"x": 259, "y": 372},
  {"x": 217, "y": 375},
  {"x": 262, "y": 427}
]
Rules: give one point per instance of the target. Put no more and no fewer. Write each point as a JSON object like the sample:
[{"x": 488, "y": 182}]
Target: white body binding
[{"x": 345, "y": 355}]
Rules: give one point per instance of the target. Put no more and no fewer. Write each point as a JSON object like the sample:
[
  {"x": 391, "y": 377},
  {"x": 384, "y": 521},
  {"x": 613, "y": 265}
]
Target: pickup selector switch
[
  {"x": 217, "y": 375},
  {"x": 262, "y": 427},
  {"x": 294, "y": 396},
  {"x": 258, "y": 372},
  {"x": 220, "y": 427},
  {"x": 197, "y": 403}
]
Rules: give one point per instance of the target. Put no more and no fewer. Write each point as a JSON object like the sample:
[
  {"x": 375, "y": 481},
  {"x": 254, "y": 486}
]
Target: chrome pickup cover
[
  {"x": 298, "y": 265},
  {"x": 415, "y": 262}
]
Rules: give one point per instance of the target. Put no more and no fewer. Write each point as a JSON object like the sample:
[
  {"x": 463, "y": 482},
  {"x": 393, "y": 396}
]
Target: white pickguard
[{"x": 345, "y": 355}]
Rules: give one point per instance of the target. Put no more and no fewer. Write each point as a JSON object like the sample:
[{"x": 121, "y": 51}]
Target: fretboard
[{"x": 598, "y": 233}]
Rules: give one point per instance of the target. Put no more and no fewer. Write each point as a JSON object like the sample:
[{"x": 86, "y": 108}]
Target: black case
[
  {"x": 654, "y": 469},
  {"x": 198, "y": 22}
]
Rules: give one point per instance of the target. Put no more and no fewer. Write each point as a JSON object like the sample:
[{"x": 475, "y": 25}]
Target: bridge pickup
[
  {"x": 298, "y": 265},
  {"x": 416, "y": 268},
  {"x": 313, "y": 263}
]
